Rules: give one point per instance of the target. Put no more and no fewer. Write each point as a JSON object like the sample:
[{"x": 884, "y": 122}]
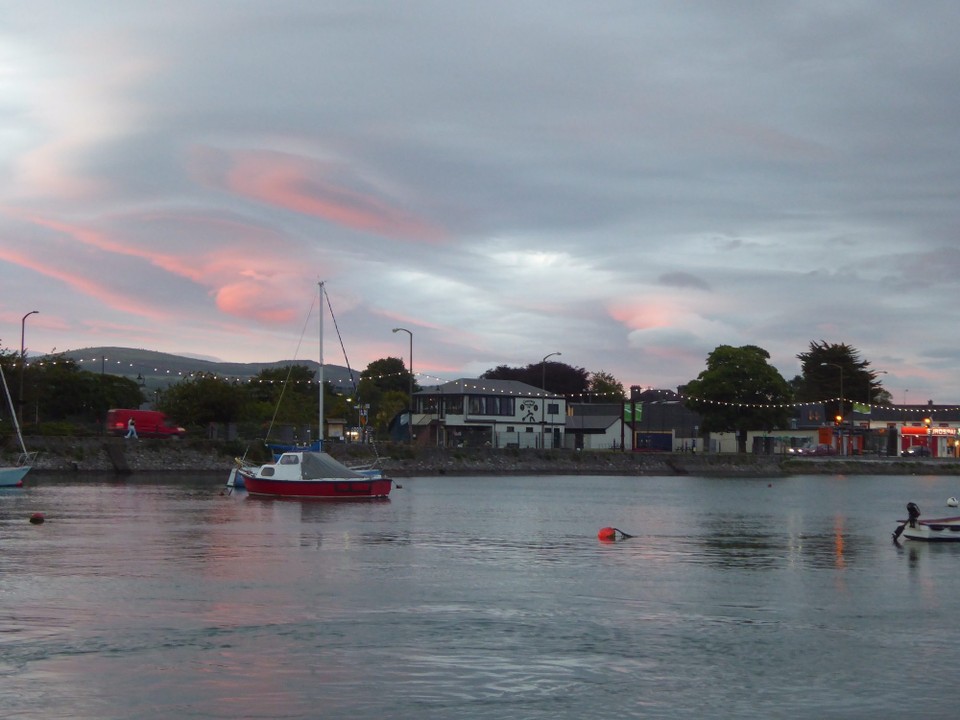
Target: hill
[{"x": 159, "y": 370}]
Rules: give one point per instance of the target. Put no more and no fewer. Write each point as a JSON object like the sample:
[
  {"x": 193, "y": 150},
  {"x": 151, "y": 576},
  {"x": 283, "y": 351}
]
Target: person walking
[{"x": 132, "y": 430}]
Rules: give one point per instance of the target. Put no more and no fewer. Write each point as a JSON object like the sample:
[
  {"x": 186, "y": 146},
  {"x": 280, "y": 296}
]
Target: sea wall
[{"x": 117, "y": 455}]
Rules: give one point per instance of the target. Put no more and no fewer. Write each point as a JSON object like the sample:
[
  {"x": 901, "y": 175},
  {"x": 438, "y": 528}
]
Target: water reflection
[{"x": 481, "y": 600}]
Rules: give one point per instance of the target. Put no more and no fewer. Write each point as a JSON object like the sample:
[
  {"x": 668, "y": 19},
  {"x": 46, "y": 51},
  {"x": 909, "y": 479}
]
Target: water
[{"x": 478, "y": 598}]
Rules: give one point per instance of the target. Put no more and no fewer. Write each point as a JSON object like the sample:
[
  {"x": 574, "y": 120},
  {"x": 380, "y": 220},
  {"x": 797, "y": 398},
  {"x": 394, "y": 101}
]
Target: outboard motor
[{"x": 913, "y": 512}]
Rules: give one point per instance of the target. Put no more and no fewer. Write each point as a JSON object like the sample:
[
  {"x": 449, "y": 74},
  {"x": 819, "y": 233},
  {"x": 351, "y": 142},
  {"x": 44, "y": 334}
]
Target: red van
[{"x": 150, "y": 424}]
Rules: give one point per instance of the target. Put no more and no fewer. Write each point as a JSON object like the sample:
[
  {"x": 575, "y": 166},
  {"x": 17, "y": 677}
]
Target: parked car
[
  {"x": 917, "y": 451},
  {"x": 150, "y": 423},
  {"x": 816, "y": 450}
]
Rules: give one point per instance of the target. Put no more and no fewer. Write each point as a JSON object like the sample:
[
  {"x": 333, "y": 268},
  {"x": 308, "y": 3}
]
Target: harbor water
[{"x": 478, "y": 597}]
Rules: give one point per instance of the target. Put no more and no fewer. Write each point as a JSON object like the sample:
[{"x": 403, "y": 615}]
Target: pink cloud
[
  {"x": 640, "y": 315},
  {"x": 83, "y": 284},
  {"x": 305, "y": 186},
  {"x": 245, "y": 274},
  {"x": 254, "y": 301}
]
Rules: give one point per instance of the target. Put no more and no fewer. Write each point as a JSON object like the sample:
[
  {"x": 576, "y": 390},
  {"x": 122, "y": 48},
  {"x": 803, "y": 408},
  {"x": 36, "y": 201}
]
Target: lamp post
[
  {"x": 23, "y": 360},
  {"x": 410, "y": 419},
  {"x": 840, "y": 410},
  {"x": 543, "y": 405}
]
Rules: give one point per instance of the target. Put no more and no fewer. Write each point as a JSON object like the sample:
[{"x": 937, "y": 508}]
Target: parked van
[{"x": 150, "y": 424}]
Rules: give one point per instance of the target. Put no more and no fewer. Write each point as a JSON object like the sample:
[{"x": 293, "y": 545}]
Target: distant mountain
[{"x": 160, "y": 369}]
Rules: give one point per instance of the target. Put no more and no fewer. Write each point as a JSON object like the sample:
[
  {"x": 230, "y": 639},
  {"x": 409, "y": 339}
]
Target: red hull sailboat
[
  {"x": 303, "y": 473},
  {"x": 312, "y": 475}
]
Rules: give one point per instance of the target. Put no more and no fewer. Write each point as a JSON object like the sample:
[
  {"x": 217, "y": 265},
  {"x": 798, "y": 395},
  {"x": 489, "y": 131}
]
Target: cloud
[{"x": 630, "y": 185}]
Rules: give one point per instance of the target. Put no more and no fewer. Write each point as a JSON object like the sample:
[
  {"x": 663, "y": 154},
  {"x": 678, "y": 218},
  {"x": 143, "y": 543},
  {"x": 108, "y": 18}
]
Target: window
[
  {"x": 553, "y": 408},
  {"x": 289, "y": 460},
  {"x": 491, "y": 405},
  {"x": 453, "y": 405}
]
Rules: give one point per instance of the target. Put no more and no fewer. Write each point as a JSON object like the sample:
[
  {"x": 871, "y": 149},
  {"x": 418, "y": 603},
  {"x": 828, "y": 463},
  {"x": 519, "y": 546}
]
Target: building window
[
  {"x": 553, "y": 408},
  {"x": 491, "y": 405},
  {"x": 453, "y": 405},
  {"x": 510, "y": 428}
]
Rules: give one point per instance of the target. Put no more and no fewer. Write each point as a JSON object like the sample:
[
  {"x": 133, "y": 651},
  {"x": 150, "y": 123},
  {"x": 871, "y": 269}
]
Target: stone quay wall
[{"x": 117, "y": 455}]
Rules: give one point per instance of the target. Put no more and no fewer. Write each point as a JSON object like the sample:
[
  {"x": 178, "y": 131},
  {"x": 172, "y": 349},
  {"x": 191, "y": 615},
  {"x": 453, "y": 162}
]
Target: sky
[{"x": 630, "y": 184}]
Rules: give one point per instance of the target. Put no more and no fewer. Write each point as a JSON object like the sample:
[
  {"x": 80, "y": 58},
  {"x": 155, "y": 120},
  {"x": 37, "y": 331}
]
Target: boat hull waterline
[
  {"x": 13, "y": 476},
  {"x": 332, "y": 489}
]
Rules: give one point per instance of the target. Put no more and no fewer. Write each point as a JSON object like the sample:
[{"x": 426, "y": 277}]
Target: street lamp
[
  {"x": 23, "y": 359},
  {"x": 840, "y": 411},
  {"x": 409, "y": 419},
  {"x": 543, "y": 405}
]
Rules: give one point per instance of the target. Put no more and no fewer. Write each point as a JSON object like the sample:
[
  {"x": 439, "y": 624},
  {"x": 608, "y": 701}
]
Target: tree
[
  {"x": 56, "y": 389},
  {"x": 203, "y": 399},
  {"x": 604, "y": 387},
  {"x": 740, "y": 391},
  {"x": 288, "y": 394},
  {"x": 381, "y": 384},
  {"x": 830, "y": 370},
  {"x": 559, "y": 378}
]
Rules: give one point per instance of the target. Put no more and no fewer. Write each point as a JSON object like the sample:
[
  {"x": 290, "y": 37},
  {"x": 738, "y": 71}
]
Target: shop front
[{"x": 924, "y": 440}]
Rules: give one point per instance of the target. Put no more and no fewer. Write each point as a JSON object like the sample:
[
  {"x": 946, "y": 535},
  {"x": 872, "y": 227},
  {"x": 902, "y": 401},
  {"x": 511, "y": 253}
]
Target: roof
[
  {"x": 590, "y": 423},
  {"x": 482, "y": 386}
]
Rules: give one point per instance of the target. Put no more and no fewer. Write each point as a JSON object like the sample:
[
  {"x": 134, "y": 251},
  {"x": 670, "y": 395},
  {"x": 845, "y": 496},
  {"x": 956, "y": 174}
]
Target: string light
[{"x": 489, "y": 390}]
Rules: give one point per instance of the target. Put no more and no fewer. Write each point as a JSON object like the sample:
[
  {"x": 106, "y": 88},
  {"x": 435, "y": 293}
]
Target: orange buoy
[
  {"x": 37, "y": 518},
  {"x": 607, "y": 533}
]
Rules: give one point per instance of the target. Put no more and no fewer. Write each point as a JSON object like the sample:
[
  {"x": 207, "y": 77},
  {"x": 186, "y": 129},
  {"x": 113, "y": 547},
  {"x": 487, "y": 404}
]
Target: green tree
[
  {"x": 739, "y": 391},
  {"x": 203, "y": 399},
  {"x": 390, "y": 403},
  {"x": 56, "y": 389},
  {"x": 287, "y": 394},
  {"x": 829, "y": 370},
  {"x": 604, "y": 387},
  {"x": 381, "y": 384},
  {"x": 389, "y": 374}
]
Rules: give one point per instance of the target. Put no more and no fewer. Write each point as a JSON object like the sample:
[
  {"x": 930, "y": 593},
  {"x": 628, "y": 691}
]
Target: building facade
[{"x": 489, "y": 413}]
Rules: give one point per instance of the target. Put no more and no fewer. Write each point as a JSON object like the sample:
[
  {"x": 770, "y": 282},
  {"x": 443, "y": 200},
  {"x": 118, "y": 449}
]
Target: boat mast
[
  {"x": 13, "y": 411},
  {"x": 320, "y": 371}
]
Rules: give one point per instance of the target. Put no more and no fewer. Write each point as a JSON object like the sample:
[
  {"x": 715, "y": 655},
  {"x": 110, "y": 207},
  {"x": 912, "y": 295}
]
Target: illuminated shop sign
[{"x": 938, "y": 431}]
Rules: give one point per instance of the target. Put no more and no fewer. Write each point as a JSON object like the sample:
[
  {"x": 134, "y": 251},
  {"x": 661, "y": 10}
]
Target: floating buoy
[
  {"x": 37, "y": 518},
  {"x": 952, "y": 502},
  {"x": 609, "y": 534}
]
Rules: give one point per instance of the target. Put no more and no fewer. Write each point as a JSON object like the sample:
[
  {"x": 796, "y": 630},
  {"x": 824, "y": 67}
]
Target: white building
[{"x": 488, "y": 413}]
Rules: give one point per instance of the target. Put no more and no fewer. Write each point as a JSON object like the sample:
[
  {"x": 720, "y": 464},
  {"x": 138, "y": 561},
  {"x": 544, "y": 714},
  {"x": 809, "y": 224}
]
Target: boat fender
[{"x": 913, "y": 511}]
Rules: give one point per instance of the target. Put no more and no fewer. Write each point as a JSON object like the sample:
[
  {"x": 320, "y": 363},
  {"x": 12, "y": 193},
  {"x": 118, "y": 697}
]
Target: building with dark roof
[{"x": 489, "y": 413}]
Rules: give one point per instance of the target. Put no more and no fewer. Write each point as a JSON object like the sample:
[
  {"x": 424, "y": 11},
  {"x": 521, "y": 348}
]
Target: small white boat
[
  {"x": 312, "y": 475},
  {"x": 945, "y": 529}
]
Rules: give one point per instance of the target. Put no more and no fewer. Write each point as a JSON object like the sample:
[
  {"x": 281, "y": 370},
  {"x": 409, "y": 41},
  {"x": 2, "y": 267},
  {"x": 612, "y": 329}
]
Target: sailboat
[
  {"x": 308, "y": 473},
  {"x": 12, "y": 475}
]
